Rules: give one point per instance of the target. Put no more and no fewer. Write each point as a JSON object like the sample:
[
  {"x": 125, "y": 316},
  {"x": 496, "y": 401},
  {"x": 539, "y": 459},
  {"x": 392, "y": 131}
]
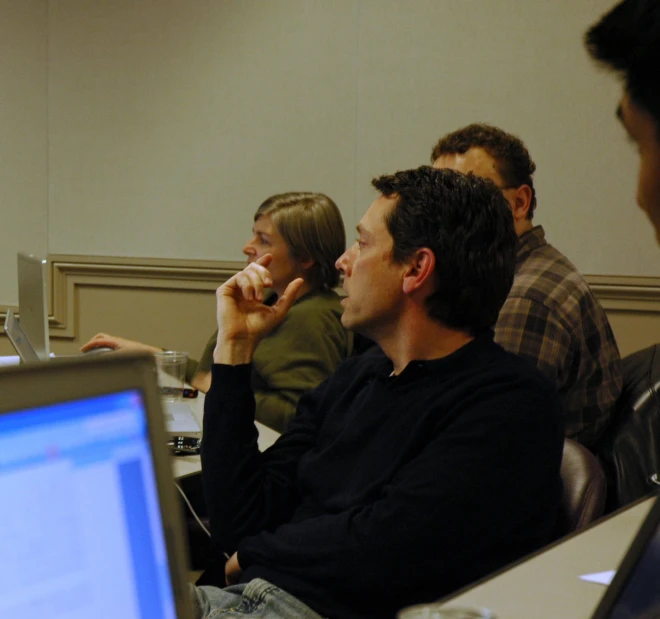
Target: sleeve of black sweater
[
  {"x": 248, "y": 491},
  {"x": 457, "y": 498}
]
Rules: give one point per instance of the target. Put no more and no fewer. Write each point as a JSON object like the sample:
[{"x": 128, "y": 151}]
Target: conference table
[
  {"x": 188, "y": 465},
  {"x": 548, "y": 585}
]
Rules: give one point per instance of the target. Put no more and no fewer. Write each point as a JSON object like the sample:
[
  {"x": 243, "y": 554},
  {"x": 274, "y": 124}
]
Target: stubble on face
[{"x": 371, "y": 278}]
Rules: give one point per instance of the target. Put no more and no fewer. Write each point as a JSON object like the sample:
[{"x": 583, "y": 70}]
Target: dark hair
[
  {"x": 312, "y": 227},
  {"x": 511, "y": 156},
  {"x": 467, "y": 223},
  {"x": 627, "y": 40}
]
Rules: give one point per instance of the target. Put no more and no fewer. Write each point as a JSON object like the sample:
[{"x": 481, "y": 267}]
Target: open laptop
[
  {"x": 33, "y": 301},
  {"x": 90, "y": 525},
  {"x": 179, "y": 417},
  {"x": 635, "y": 589},
  {"x": 19, "y": 340}
]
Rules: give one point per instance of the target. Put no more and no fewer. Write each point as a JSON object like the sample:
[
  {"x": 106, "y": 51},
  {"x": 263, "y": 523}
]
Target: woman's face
[{"x": 267, "y": 240}]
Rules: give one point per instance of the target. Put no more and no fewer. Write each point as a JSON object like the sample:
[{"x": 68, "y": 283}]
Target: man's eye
[{"x": 360, "y": 243}]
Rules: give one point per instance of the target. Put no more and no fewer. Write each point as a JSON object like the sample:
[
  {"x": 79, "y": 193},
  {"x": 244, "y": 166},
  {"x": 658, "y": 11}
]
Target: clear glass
[
  {"x": 441, "y": 611},
  {"x": 171, "y": 366}
]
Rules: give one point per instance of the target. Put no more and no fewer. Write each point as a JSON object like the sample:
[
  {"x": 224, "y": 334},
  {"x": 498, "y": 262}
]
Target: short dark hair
[
  {"x": 510, "y": 154},
  {"x": 467, "y": 223},
  {"x": 627, "y": 40},
  {"x": 312, "y": 227}
]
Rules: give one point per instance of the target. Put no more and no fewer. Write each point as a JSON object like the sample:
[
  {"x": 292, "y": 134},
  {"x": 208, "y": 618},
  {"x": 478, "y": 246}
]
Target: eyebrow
[{"x": 362, "y": 230}]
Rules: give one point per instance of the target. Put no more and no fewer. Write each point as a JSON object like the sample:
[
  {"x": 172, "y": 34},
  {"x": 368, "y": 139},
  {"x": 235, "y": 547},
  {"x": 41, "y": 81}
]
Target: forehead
[
  {"x": 475, "y": 160},
  {"x": 638, "y": 122},
  {"x": 373, "y": 221},
  {"x": 264, "y": 223}
]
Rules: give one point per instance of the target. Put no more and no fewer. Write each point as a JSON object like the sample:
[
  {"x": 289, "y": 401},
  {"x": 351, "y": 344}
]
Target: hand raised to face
[{"x": 243, "y": 319}]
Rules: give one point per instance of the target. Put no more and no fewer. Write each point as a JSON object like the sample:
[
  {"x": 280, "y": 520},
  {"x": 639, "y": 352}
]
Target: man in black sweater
[{"x": 416, "y": 468}]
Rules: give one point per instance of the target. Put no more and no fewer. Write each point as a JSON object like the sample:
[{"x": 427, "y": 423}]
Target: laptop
[
  {"x": 179, "y": 417},
  {"x": 33, "y": 301},
  {"x": 19, "y": 340},
  {"x": 90, "y": 525},
  {"x": 635, "y": 589}
]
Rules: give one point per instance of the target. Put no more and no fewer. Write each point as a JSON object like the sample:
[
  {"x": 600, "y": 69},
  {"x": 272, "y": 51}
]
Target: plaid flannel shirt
[{"x": 552, "y": 318}]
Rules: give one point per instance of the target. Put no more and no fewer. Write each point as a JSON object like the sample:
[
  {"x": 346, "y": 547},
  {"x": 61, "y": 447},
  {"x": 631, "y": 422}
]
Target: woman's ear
[{"x": 306, "y": 263}]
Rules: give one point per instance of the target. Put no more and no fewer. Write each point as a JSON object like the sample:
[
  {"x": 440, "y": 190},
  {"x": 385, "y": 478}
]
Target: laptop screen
[
  {"x": 640, "y": 596},
  {"x": 81, "y": 529},
  {"x": 33, "y": 301}
]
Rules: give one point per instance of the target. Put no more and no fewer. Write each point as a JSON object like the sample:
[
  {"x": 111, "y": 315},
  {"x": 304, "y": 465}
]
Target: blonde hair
[{"x": 312, "y": 227}]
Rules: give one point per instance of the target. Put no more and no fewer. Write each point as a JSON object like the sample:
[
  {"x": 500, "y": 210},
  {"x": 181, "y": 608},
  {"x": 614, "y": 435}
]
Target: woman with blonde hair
[{"x": 304, "y": 234}]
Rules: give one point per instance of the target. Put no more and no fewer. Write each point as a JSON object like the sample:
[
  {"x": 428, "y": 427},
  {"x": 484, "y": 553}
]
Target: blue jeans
[{"x": 257, "y": 598}]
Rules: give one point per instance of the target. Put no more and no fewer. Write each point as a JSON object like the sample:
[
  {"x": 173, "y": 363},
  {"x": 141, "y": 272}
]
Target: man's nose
[{"x": 343, "y": 263}]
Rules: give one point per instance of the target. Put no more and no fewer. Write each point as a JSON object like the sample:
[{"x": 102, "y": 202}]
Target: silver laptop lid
[
  {"x": 90, "y": 526},
  {"x": 33, "y": 301},
  {"x": 19, "y": 340}
]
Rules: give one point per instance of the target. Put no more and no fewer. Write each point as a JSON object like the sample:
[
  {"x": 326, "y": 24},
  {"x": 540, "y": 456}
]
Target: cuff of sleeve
[
  {"x": 230, "y": 372},
  {"x": 245, "y": 559}
]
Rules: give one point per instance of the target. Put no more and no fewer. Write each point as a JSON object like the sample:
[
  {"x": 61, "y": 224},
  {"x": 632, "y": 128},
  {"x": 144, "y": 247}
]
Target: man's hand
[
  {"x": 233, "y": 570},
  {"x": 118, "y": 344},
  {"x": 243, "y": 319}
]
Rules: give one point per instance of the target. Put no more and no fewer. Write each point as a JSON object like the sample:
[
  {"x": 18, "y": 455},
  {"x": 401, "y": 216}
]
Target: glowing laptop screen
[{"x": 81, "y": 526}]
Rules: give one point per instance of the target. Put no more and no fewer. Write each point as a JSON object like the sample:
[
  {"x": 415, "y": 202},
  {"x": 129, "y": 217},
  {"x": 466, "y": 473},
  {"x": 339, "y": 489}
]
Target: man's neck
[
  {"x": 422, "y": 339},
  {"x": 522, "y": 226}
]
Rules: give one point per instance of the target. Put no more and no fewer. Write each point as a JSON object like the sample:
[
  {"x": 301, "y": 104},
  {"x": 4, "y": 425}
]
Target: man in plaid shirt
[{"x": 551, "y": 316}]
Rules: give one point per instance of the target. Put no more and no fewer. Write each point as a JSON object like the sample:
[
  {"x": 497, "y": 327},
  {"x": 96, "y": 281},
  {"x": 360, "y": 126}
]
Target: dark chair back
[
  {"x": 585, "y": 488},
  {"x": 630, "y": 448}
]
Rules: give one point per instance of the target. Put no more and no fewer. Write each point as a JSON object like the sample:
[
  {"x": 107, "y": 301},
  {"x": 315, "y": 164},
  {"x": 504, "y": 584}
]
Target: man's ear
[
  {"x": 419, "y": 270},
  {"x": 522, "y": 200}
]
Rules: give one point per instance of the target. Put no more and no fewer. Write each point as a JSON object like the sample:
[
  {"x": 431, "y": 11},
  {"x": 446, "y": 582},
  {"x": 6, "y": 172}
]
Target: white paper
[
  {"x": 179, "y": 418},
  {"x": 600, "y": 578}
]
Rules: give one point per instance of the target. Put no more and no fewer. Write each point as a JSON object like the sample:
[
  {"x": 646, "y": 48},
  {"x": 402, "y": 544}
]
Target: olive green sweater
[{"x": 297, "y": 356}]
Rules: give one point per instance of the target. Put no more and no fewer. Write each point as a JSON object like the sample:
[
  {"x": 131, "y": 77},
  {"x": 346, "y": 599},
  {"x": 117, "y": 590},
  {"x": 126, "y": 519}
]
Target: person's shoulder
[
  {"x": 318, "y": 310},
  {"x": 509, "y": 368},
  {"x": 313, "y": 323},
  {"x": 549, "y": 278},
  {"x": 317, "y": 301}
]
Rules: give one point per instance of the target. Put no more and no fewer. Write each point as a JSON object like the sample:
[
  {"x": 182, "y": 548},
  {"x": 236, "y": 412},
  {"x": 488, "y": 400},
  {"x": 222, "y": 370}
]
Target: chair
[
  {"x": 630, "y": 448},
  {"x": 585, "y": 488}
]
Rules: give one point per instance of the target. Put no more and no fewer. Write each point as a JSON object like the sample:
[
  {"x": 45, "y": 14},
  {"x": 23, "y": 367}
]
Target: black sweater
[{"x": 387, "y": 491}]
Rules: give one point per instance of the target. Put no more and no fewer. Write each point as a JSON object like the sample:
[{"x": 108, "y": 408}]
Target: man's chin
[{"x": 348, "y": 321}]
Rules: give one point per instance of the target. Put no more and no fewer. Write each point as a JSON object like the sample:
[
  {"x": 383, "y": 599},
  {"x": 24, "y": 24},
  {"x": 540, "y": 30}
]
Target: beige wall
[
  {"x": 634, "y": 331},
  {"x": 153, "y": 129},
  {"x": 23, "y": 147},
  {"x": 171, "y": 120},
  {"x": 171, "y": 303}
]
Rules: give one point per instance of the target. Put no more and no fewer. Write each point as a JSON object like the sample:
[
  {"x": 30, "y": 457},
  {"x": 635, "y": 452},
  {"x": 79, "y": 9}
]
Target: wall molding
[
  {"x": 626, "y": 293},
  {"x": 68, "y": 272}
]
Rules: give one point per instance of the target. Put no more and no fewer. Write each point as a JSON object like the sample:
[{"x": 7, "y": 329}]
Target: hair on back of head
[{"x": 627, "y": 41}]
